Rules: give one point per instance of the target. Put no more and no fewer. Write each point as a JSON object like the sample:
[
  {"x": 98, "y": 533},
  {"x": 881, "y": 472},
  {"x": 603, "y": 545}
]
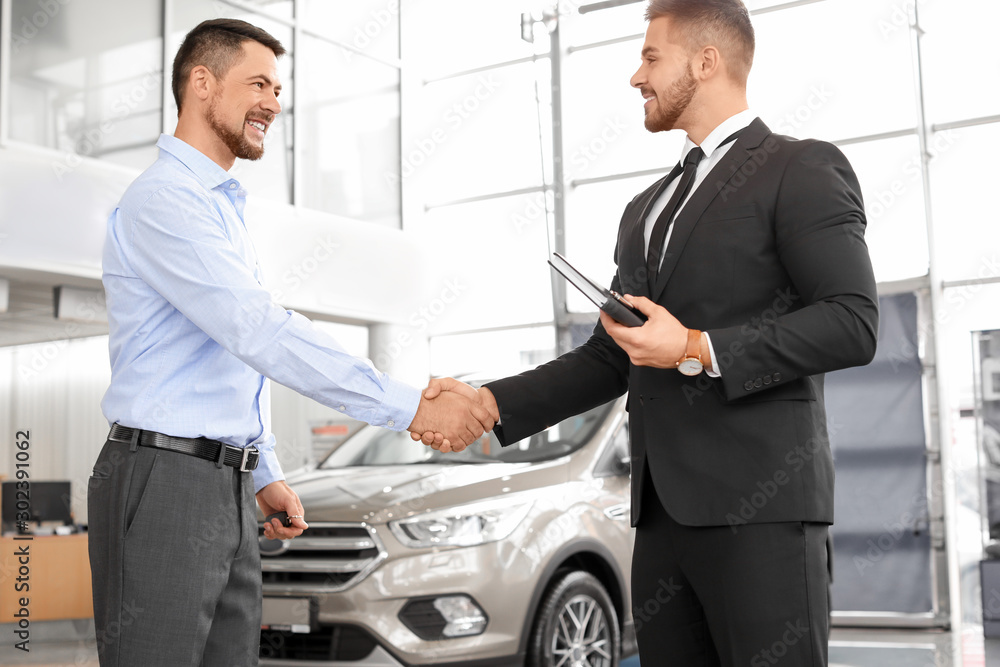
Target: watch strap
[{"x": 693, "y": 345}]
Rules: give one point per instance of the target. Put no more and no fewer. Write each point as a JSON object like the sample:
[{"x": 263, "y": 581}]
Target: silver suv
[{"x": 494, "y": 556}]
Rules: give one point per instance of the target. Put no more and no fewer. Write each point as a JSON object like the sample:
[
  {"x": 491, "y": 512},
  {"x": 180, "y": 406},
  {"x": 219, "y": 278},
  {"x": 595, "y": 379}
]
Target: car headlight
[{"x": 464, "y": 525}]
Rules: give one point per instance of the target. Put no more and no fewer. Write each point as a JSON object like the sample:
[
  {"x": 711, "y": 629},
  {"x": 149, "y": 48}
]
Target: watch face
[{"x": 690, "y": 366}]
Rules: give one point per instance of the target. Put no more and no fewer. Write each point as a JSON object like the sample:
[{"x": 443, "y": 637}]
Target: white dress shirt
[{"x": 713, "y": 155}]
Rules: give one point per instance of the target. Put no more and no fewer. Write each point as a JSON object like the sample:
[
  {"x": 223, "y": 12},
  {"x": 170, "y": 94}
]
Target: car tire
[{"x": 576, "y": 620}]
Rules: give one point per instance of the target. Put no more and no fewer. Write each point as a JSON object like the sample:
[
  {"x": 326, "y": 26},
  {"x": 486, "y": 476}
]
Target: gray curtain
[{"x": 881, "y": 544}]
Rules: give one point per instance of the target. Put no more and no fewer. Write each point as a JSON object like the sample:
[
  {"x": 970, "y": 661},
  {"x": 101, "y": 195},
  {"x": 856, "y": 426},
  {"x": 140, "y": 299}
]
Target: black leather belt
[{"x": 244, "y": 459}]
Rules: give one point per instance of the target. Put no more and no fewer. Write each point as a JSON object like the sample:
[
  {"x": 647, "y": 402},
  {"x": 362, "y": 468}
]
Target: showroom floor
[
  {"x": 848, "y": 648},
  {"x": 895, "y": 648}
]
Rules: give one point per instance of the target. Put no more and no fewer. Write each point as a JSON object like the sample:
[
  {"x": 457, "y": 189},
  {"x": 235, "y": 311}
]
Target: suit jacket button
[
  {"x": 748, "y": 385},
  {"x": 776, "y": 377},
  {"x": 767, "y": 379},
  {"x": 758, "y": 383}
]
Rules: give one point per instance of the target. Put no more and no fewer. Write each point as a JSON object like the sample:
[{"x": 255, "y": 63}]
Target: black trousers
[
  {"x": 755, "y": 595},
  {"x": 174, "y": 560}
]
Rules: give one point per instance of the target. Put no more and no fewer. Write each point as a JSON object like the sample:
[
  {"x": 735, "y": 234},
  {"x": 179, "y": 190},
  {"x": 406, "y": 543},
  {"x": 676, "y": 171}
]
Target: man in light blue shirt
[{"x": 194, "y": 337}]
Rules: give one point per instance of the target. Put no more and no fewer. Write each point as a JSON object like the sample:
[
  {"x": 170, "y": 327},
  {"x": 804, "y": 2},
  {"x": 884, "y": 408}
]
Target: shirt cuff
[
  {"x": 268, "y": 469},
  {"x": 399, "y": 405},
  {"x": 716, "y": 372}
]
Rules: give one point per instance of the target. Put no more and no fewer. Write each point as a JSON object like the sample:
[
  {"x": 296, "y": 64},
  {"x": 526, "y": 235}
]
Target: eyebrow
[{"x": 649, "y": 49}]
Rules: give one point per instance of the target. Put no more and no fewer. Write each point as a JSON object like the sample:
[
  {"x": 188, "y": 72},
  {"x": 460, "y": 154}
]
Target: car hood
[{"x": 377, "y": 494}]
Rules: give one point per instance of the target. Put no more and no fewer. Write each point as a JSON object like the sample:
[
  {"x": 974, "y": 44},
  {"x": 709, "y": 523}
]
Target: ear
[
  {"x": 202, "y": 82},
  {"x": 707, "y": 63}
]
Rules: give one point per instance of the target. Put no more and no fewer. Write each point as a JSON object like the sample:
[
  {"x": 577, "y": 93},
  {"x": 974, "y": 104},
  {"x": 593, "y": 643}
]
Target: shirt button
[
  {"x": 233, "y": 186},
  {"x": 343, "y": 408},
  {"x": 390, "y": 423}
]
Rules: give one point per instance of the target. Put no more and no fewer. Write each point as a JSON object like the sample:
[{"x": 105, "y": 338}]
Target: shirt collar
[
  {"x": 202, "y": 166},
  {"x": 720, "y": 133}
]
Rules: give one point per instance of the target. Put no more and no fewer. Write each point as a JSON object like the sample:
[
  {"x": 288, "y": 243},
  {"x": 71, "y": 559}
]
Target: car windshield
[{"x": 373, "y": 446}]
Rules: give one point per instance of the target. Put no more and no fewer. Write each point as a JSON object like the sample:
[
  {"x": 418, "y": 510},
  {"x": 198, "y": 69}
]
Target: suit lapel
[{"x": 715, "y": 182}]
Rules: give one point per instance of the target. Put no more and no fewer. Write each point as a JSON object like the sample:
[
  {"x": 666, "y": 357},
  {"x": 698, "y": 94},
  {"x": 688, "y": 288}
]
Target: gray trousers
[{"x": 174, "y": 560}]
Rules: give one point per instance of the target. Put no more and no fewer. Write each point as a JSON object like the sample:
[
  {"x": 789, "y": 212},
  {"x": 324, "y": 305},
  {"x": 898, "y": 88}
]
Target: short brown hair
[
  {"x": 724, "y": 24},
  {"x": 218, "y": 45}
]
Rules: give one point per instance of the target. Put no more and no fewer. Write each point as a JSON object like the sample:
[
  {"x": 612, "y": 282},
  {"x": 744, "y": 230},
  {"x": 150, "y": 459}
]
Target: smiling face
[
  {"x": 665, "y": 78},
  {"x": 245, "y": 102}
]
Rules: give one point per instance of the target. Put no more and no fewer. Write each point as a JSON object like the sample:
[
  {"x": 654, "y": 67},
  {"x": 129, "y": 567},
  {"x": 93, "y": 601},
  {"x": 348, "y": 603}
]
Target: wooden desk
[{"x": 59, "y": 571}]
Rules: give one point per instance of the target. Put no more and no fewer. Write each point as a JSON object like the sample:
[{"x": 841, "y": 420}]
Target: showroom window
[
  {"x": 81, "y": 89},
  {"x": 86, "y": 91}
]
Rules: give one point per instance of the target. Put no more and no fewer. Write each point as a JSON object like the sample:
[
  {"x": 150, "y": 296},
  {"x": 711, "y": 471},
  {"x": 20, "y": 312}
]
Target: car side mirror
[{"x": 617, "y": 459}]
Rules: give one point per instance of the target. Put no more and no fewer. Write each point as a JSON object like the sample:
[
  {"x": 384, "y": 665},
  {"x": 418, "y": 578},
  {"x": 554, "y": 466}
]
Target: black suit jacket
[{"x": 768, "y": 256}]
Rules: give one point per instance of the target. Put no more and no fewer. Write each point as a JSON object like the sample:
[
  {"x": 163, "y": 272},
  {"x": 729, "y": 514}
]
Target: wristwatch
[{"x": 690, "y": 363}]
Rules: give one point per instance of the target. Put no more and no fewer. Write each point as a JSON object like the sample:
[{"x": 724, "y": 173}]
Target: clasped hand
[{"x": 452, "y": 415}]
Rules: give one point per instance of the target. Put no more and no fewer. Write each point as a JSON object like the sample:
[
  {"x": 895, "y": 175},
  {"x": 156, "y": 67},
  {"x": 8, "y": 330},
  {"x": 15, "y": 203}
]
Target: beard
[
  {"x": 236, "y": 142},
  {"x": 672, "y": 104}
]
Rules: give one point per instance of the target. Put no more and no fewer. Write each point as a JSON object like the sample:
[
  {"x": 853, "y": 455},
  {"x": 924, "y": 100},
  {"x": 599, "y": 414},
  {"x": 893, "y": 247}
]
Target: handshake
[{"x": 452, "y": 415}]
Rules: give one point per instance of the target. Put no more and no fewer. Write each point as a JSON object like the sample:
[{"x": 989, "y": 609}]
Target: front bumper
[
  {"x": 379, "y": 657},
  {"x": 360, "y": 625}
]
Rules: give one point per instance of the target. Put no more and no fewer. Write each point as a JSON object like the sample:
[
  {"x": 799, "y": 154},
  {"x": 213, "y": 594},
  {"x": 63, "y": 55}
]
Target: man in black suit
[{"x": 750, "y": 262}]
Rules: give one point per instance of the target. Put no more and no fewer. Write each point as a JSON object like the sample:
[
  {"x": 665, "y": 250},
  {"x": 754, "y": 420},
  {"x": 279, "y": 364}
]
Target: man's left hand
[
  {"x": 660, "y": 342},
  {"x": 279, "y": 497}
]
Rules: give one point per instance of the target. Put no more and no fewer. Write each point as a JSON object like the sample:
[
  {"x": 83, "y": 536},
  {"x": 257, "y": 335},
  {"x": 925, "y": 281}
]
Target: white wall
[{"x": 54, "y": 391}]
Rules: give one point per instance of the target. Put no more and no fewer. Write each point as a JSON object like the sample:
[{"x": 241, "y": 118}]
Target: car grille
[
  {"x": 326, "y": 558},
  {"x": 332, "y": 642}
]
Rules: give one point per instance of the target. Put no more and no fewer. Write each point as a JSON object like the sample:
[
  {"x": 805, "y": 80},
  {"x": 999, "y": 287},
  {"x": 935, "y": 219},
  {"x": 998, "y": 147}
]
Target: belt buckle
[{"x": 247, "y": 451}]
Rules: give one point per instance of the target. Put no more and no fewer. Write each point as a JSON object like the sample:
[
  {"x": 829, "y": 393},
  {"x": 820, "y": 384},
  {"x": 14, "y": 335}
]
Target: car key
[{"x": 280, "y": 516}]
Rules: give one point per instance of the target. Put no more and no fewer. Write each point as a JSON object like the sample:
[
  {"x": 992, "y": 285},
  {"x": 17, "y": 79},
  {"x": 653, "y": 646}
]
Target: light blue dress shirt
[{"x": 193, "y": 331}]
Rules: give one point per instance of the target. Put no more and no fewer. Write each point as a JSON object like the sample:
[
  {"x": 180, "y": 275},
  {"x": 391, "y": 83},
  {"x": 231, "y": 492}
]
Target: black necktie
[
  {"x": 656, "y": 239},
  {"x": 654, "y": 254}
]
